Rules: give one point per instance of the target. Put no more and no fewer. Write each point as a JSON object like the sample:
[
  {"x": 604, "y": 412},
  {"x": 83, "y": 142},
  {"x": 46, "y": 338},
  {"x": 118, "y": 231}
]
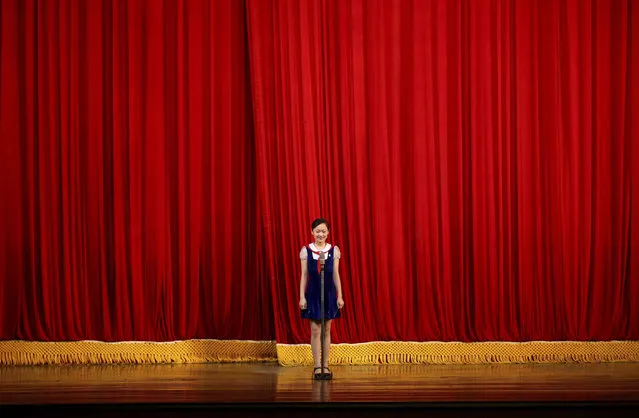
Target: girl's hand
[
  {"x": 340, "y": 303},
  {"x": 303, "y": 303}
]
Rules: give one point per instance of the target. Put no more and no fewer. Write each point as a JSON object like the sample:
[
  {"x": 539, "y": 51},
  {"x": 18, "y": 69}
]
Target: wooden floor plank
[{"x": 269, "y": 383}]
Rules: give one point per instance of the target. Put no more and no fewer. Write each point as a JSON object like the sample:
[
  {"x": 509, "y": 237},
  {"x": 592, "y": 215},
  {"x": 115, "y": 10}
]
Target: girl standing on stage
[{"x": 310, "y": 293}]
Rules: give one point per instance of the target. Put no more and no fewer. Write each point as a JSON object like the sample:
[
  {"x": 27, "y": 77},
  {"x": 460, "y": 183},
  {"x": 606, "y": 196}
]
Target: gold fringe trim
[
  {"x": 98, "y": 352},
  {"x": 403, "y": 352},
  {"x": 379, "y": 352}
]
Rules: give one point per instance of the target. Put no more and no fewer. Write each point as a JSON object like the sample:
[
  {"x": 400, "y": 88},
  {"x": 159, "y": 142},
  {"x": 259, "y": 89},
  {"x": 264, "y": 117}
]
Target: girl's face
[{"x": 320, "y": 233}]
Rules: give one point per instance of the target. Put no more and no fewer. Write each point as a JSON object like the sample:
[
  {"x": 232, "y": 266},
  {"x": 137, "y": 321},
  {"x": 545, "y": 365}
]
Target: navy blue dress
[{"x": 313, "y": 292}]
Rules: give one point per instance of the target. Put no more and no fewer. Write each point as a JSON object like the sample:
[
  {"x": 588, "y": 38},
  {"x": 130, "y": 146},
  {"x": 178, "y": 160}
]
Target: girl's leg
[
  {"x": 316, "y": 337},
  {"x": 327, "y": 342}
]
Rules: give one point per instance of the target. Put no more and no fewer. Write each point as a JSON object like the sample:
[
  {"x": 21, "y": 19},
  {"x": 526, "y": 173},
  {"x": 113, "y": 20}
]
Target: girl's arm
[
  {"x": 303, "y": 280},
  {"x": 338, "y": 282}
]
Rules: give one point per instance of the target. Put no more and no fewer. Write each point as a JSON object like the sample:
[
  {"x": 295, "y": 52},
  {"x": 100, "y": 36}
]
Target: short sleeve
[
  {"x": 303, "y": 254},
  {"x": 337, "y": 253}
]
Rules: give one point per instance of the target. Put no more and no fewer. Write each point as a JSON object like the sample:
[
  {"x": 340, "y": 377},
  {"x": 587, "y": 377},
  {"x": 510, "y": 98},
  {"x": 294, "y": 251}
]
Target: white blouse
[{"x": 304, "y": 253}]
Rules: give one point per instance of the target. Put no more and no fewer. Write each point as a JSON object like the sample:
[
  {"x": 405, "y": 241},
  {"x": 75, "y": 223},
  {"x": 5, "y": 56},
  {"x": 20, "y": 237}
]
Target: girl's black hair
[{"x": 317, "y": 222}]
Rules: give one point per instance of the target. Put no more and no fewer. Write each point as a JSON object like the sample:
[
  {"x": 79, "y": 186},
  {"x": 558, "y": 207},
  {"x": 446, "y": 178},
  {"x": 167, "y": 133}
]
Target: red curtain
[
  {"x": 129, "y": 211},
  {"x": 162, "y": 162}
]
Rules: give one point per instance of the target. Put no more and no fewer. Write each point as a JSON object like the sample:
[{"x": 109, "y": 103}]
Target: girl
[{"x": 310, "y": 302}]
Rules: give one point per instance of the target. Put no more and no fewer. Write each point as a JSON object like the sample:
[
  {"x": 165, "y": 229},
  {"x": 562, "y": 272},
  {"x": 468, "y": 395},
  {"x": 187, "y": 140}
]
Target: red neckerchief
[{"x": 319, "y": 253}]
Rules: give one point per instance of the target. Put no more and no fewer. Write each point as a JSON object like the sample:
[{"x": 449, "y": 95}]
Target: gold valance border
[{"x": 378, "y": 352}]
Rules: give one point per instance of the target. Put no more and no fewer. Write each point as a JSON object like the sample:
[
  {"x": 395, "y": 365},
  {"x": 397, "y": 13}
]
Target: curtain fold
[{"x": 161, "y": 163}]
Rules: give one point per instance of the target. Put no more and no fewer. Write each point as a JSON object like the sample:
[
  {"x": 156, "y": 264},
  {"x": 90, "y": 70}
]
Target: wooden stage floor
[{"x": 264, "y": 389}]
